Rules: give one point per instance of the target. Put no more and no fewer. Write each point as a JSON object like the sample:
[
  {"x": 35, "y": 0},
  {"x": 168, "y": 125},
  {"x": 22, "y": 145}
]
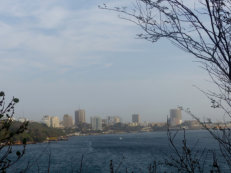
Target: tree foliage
[
  {"x": 37, "y": 132},
  {"x": 7, "y": 156}
]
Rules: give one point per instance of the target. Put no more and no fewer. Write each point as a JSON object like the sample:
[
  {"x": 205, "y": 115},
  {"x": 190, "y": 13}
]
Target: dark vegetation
[
  {"x": 36, "y": 132},
  {"x": 12, "y": 132},
  {"x": 7, "y": 134}
]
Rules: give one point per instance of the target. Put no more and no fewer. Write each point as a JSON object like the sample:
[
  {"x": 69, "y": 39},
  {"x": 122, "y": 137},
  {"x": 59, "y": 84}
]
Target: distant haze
[{"x": 58, "y": 56}]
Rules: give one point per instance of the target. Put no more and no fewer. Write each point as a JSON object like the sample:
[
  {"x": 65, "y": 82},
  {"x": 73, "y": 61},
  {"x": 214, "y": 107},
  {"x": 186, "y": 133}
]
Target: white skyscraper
[
  {"x": 175, "y": 117},
  {"x": 55, "y": 122},
  {"x": 51, "y": 121},
  {"x": 96, "y": 123},
  {"x": 47, "y": 120}
]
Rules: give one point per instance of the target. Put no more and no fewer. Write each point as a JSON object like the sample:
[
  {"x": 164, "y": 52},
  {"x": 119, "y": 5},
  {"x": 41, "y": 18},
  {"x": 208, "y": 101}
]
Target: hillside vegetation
[{"x": 36, "y": 132}]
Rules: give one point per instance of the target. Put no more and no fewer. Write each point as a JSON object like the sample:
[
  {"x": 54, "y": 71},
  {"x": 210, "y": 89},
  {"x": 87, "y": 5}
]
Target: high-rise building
[
  {"x": 96, "y": 123},
  {"x": 51, "y": 121},
  {"x": 67, "y": 121},
  {"x": 55, "y": 122},
  {"x": 110, "y": 120},
  {"x": 175, "y": 117},
  {"x": 136, "y": 118},
  {"x": 104, "y": 122},
  {"x": 47, "y": 120},
  {"x": 80, "y": 116}
]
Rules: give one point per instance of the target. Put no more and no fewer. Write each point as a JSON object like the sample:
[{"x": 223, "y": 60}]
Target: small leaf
[
  {"x": 24, "y": 141},
  {"x": 18, "y": 153},
  {"x": 2, "y": 94},
  {"x": 16, "y": 100}
]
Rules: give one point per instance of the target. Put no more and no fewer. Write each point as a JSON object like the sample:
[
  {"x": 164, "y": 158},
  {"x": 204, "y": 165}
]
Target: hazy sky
[{"x": 57, "y": 56}]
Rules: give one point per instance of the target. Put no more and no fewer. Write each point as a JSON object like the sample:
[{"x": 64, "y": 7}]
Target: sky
[{"x": 58, "y": 56}]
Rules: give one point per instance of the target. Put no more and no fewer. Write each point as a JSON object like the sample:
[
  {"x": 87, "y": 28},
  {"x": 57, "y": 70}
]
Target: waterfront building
[
  {"x": 116, "y": 119},
  {"x": 47, "y": 120},
  {"x": 132, "y": 124},
  {"x": 145, "y": 124},
  {"x": 67, "y": 121},
  {"x": 104, "y": 122},
  {"x": 175, "y": 117},
  {"x": 80, "y": 116},
  {"x": 111, "y": 120},
  {"x": 96, "y": 123},
  {"x": 55, "y": 122},
  {"x": 136, "y": 118},
  {"x": 192, "y": 124},
  {"x": 158, "y": 124}
]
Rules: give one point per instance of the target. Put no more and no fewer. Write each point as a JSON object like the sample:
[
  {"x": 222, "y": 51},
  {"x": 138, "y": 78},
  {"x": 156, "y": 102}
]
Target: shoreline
[{"x": 66, "y": 137}]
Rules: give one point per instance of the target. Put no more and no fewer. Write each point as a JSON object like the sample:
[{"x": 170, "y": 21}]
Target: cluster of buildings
[
  {"x": 80, "y": 118},
  {"x": 111, "y": 120},
  {"x": 52, "y": 121},
  {"x": 174, "y": 119},
  {"x": 67, "y": 122}
]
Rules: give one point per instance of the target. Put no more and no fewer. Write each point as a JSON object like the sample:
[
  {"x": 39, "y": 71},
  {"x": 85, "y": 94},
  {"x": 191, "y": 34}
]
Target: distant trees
[
  {"x": 7, "y": 133},
  {"x": 201, "y": 28},
  {"x": 37, "y": 132}
]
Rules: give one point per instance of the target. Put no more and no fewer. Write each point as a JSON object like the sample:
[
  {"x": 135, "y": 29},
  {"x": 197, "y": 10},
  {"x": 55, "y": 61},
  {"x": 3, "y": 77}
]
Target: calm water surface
[{"x": 132, "y": 151}]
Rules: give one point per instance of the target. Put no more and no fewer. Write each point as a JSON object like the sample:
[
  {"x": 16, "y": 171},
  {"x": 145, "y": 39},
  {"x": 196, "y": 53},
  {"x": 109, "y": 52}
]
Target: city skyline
[
  {"x": 57, "y": 55},
  {"x": 133, "y": 117},
  {"x": 103, "y": 86},
  {"x": 79, "y": 117},
  {"x": 97, "y": 121}
]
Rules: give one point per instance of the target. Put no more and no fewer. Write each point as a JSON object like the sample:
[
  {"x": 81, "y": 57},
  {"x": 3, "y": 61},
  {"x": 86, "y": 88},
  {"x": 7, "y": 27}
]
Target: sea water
[{"x": 93, "y": 154}]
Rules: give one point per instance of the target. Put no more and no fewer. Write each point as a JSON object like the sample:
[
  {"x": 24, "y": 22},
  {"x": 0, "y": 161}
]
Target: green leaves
[
  {"x": 16, "y": 100},
  {"x": 10, "y": 132},
  {"x": 2, "y": 94}
]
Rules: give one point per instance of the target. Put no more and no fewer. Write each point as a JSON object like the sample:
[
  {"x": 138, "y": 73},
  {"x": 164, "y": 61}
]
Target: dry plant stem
[
  {"x": 203, "y": 29},
  {"x": 81, "y": 164}
]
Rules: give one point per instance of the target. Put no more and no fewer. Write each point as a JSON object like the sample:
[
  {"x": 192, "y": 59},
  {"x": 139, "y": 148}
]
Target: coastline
[{"x": 66, "y": 137}]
